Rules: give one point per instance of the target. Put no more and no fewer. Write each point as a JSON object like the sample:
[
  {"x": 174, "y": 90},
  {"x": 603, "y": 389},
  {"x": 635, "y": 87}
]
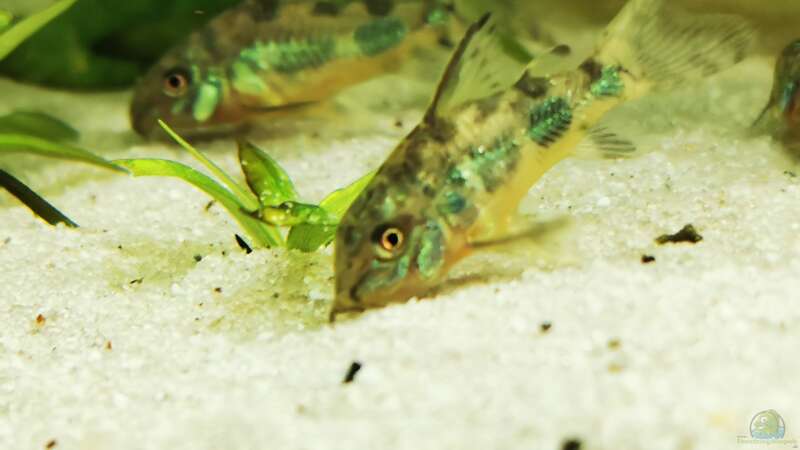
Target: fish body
[
  {"x": 277, "y": 57},
  {"x": 783, "y": 109},
  {"x": 453, "y": 185}
]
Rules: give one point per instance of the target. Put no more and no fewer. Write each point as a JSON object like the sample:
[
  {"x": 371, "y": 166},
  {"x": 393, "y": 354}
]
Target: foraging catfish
[
  {"x": 276, "y": 57},
  {"x": 452, "y": 186}
]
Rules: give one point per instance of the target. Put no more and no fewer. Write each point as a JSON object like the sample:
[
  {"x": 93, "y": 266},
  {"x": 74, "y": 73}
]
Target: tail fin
[
  {"x": 660, "y": 45},
  {"x": 650, "y": 45}
]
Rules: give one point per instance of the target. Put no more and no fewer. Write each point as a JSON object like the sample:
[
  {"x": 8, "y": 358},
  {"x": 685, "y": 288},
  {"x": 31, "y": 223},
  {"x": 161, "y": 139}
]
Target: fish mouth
[
  {"x": 346, "y": 301},
  {"x": 142, "y": 121},
  {"x": 338, "y": 311}
]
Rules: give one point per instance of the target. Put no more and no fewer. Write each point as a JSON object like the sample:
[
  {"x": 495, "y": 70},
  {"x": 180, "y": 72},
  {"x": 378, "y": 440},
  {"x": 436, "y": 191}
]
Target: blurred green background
[{"x": 106, "y": 44}]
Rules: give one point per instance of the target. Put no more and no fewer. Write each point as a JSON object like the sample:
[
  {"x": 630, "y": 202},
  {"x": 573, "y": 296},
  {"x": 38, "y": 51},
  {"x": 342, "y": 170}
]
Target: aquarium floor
[{"x": 149, "y": 328}]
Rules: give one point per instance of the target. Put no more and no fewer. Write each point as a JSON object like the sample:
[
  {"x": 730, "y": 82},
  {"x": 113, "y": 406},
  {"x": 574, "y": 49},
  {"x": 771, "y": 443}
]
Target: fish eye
[
  {"x": 389, "y": 239},
  {"x": 176, "y": 82}
]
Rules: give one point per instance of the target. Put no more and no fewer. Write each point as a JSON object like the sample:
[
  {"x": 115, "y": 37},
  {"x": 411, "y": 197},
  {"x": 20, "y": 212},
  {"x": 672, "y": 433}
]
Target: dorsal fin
[{"x": 480, "y": 67}]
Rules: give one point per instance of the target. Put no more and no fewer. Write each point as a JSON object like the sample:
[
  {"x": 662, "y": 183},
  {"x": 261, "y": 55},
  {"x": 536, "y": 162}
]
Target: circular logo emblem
[{"x": 767, "y": 425}]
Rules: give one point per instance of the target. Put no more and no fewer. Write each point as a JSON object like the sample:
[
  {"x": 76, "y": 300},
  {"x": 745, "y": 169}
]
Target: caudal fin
[{"x": 660, "y": 45}]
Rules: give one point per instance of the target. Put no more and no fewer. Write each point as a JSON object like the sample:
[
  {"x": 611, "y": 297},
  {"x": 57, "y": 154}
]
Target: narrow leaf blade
[
  {"x": 37, "y": 124},
  {"x": 265, "y": 235},
  {"x": 339, "y": 200},
  {"x": 246, "y": 198},
  {"x": 19, "y": 143},
  {"x": 265, "y": 176},
  {"x": 34, "y": 201},
  {"x": 308, "y": 237},
  {"x": 17, "y": 34}
]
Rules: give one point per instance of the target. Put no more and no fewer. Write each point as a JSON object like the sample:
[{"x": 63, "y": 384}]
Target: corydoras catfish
[
  {"x": 452, "y": 186},
  {"x": 268, "y": 58}
]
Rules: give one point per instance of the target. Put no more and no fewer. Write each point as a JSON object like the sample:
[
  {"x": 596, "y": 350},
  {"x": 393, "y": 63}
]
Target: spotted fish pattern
[
  {"x": 277, "y": 57},
  {"x": 452, "y": 186}
]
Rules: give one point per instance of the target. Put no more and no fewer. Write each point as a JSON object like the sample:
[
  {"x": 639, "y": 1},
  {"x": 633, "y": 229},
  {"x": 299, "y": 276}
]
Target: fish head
[
  {"x": 392, "y": 243},
  {"x": 189, "y": 96},
  {"x": 786, "y": 92}
]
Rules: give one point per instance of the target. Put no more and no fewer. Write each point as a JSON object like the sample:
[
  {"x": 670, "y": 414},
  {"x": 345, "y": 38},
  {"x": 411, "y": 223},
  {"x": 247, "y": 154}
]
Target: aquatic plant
[
  {"x": 267, "y": 205},
  {"x": 101, "y": 44},
  {"x": 267, "y": 208},
  {"x": 33, "y": 200},
  {"x": 21, "y": 31},
  {"x": 33, "y": 132}
]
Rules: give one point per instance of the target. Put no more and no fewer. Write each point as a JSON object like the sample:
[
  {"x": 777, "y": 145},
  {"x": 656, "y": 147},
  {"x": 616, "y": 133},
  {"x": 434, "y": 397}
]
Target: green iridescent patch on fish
[
  {"x": 609, "y": 84},
  {"x": 209, "y": 95},
  {"x": 401, "y": 268},
  {"x": 389, "y": 206},
  {"x": 549, "y": 120},
  {"x": 437, "y": 16},
  {"x": 290, "y": 56},
  {"x": 453, "y": 203},
  {"x": 296, "y": 55},
  {"x": 245, "y": 80},
  {"x": 456, "y": 209},
  {"x": 389, "y": 273},
  {"x": 430, "y": 258},
  {"x": 494, "y": 163},
  {"x": 380, "y": 35},
  {"x": 456, "y": 177},
  {"x": 788, "y": 95}
]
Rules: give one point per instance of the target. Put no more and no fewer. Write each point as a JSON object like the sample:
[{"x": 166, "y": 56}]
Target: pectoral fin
[{"x": 602, "y": 143}]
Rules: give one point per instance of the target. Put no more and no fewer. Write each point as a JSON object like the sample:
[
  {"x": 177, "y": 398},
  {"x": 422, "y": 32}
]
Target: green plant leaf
[
  {"x": 245, "y": 197},
  {"x": 5, "y": 20},
  {"x": 265, "y": 235},
  {"x": 265, "y": 176},
  {"x": 19, "y": 143},
  {"x": 310, "y": 237},
  {"x": 339, "y": 200},
  {"x": 33, "y": 201},
  {"x": 17, "y": 34},
  {"x": 37, "y": 124}
]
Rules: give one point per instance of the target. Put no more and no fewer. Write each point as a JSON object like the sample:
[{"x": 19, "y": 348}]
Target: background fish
[
  {"x": 782, "y": 113},
  {"x": 453, "y": 185},
  {"x": 275, "y": 57}
]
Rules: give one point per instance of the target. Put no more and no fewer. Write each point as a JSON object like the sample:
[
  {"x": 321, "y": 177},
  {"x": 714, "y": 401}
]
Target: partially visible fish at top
[
  {"x": 275, "y": 57},
  {"x": 782, "y": 113},
  {"x": 453, "y": 185}
]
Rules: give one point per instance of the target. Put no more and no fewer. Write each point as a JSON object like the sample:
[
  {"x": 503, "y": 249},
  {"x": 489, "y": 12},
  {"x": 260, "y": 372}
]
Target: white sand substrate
[{"x": 140, "y": 346}]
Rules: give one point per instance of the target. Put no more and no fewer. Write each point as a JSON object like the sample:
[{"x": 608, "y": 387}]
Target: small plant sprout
[{"x": 268, "y": 207}]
